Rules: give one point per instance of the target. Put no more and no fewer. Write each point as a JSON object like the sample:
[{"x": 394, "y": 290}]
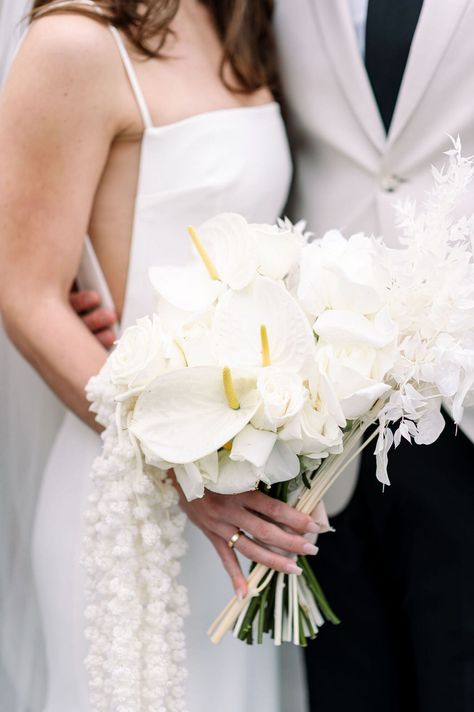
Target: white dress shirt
[{"x": 359, "y": 17}]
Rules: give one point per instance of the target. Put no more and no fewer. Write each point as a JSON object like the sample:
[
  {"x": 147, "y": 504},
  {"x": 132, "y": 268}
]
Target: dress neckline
[{"x": 209, "y": 114}]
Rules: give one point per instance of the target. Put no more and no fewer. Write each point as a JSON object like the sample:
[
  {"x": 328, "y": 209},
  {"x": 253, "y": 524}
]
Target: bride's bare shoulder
[
  {"x": 70, "y": 42},
  {"x": 68, "y": 64}
]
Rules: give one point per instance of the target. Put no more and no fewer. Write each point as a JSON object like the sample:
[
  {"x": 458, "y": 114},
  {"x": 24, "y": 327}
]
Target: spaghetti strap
[
  {"x": 65, "y": 4},
  {"x": 133, "y": 79},
  {"x": 127, "y": 62}
]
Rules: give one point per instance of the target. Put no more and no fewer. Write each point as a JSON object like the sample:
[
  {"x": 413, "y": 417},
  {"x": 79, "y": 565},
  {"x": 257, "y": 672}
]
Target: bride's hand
[
  {"x": 99, "y": 321},
  {"x": 266, "y": 525}
]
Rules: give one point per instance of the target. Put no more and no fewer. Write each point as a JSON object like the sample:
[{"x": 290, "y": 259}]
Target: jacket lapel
[
  {"x": 334, "y": 22},
  {"x": 438, "y": 21}
]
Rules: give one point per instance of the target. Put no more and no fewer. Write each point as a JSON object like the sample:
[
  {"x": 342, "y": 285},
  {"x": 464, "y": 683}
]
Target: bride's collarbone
[{"x": 185, "y": 81}]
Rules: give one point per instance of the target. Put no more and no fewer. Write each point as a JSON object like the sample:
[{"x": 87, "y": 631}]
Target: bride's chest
[{"x": 238, "y": 155}]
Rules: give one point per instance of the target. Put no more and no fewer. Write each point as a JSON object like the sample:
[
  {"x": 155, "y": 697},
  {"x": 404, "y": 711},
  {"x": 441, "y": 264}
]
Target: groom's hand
[
  {"x": 271, "y": 532},
  {"x": 99, "y": 321}
]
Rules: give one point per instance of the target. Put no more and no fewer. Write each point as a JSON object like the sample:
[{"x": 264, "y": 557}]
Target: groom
[{"x": 372, "y": 88}]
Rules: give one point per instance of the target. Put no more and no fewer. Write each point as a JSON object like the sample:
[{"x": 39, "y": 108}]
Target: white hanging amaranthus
[{"x": 134, "y": 540}]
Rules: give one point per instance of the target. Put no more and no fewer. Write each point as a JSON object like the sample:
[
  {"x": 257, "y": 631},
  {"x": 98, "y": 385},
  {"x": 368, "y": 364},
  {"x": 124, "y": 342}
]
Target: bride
[{"x": 126, "y": 121}]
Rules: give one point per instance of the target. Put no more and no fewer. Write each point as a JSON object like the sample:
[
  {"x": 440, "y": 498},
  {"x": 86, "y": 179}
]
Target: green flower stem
[
  {"x": 270, "y": 608},
  {"x": 261, "y": 618},
  {"x": 303, "y": 641},
  {"x": 246, "y": 628},
  {"x": 317, "y": 591}
]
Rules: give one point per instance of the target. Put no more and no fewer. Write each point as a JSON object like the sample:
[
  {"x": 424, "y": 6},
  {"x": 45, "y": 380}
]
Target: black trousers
[{"x": 399, "y": 572}]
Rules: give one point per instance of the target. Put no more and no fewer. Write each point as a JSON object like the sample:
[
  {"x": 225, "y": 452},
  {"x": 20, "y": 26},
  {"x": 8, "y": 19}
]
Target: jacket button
[{"x": 390, "y": 183}]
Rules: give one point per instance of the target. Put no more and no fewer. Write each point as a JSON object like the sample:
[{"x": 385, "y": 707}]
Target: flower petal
[
  {"x": 429, "y": 427},
  {"x": 187, "y": 288},
  {"x": 341, "y": 274},
  {"x": 234, "y": 477},
  {"x": 253, "y": 445},
  {"x": 184, "y": 415},
  {"x": 240, "y": 315},
  {"x": 362, "y": 400},
  {"x": 190, "y": 480},
  {"x": 282, "y": 465},
  {"x": 347, "y": 327},
  {"x": 209, "y": 467},
  {"x": 278, "y": 250},
  {"x": 231, "y": 246}
]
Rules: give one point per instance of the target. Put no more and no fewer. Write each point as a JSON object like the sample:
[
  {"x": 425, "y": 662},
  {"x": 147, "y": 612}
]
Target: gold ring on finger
[{"x": 234, "y": 539}]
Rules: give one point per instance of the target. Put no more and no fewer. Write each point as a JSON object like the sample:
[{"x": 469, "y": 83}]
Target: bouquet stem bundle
[{"x": 292, "y": 608}]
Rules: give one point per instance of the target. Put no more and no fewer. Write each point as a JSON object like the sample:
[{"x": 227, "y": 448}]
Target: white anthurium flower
[
  {"x": 173, "y": 353},
  {"x": 240, "y": 316},
  {"x": 337, "y": 273},
  {"x": 278, "y": 250},
  {"x": 197, "y": 345},
  {"x": 183, "y": 292},
  {"x": 185, "y": 415},
  {"x": 226, "y": 257},
  {"x": 229, "y": 241},
  {"x": 349, "y": 368},
  {"x": 282, "y": 395},
  {"x": 139, "y": 356},
  {"x": 348, "y": 327}
]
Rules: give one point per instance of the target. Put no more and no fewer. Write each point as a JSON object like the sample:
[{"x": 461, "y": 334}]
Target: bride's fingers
[
  {"x": 274, "y": 536},
  {"x": 256, "y": 552},
  {"x": 99, "y": 319},
  {"x": 230, "y": 563},
  {"x": 280, "y": 512}
]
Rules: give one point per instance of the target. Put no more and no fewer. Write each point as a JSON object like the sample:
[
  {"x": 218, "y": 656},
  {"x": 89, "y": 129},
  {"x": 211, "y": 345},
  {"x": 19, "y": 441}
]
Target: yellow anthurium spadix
[
  {"x": 266, "y": 359},
  {"x": 245, "y": 319},
  {"x": 229, "y": 388},
  {"x": 203, "y": 254}
]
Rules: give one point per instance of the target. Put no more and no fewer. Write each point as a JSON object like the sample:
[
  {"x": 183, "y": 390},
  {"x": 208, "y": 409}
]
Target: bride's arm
[{"x": 57, "y": 121}]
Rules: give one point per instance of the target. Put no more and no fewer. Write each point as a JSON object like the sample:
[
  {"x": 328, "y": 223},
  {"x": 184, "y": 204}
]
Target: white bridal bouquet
[{"x": 265, "y": 362}]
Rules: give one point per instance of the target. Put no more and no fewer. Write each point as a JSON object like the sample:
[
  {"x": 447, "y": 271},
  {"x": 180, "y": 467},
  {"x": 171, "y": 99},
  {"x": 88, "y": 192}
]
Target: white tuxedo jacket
[{"x": 348, "y": 173}]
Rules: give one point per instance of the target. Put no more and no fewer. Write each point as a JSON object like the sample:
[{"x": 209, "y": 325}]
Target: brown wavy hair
[{"x": 244, "y": 27}]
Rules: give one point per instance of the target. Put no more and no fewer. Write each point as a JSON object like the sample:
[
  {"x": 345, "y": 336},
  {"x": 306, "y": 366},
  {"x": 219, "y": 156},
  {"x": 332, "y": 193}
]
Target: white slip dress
[{"x": 228, "y": 160}]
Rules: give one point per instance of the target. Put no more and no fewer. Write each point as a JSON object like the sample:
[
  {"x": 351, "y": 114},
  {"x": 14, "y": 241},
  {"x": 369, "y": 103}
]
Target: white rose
[
  {"x": 349, "y": 327},
  {"x": 313, "y": 433},
  {"x": 355, "y": 372},
  {"x": 283, "y": 395},
  {"x": 138, "y": 357},
  {"x": 278, "y": 250},
  {"x": 341, "y": 274}
]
